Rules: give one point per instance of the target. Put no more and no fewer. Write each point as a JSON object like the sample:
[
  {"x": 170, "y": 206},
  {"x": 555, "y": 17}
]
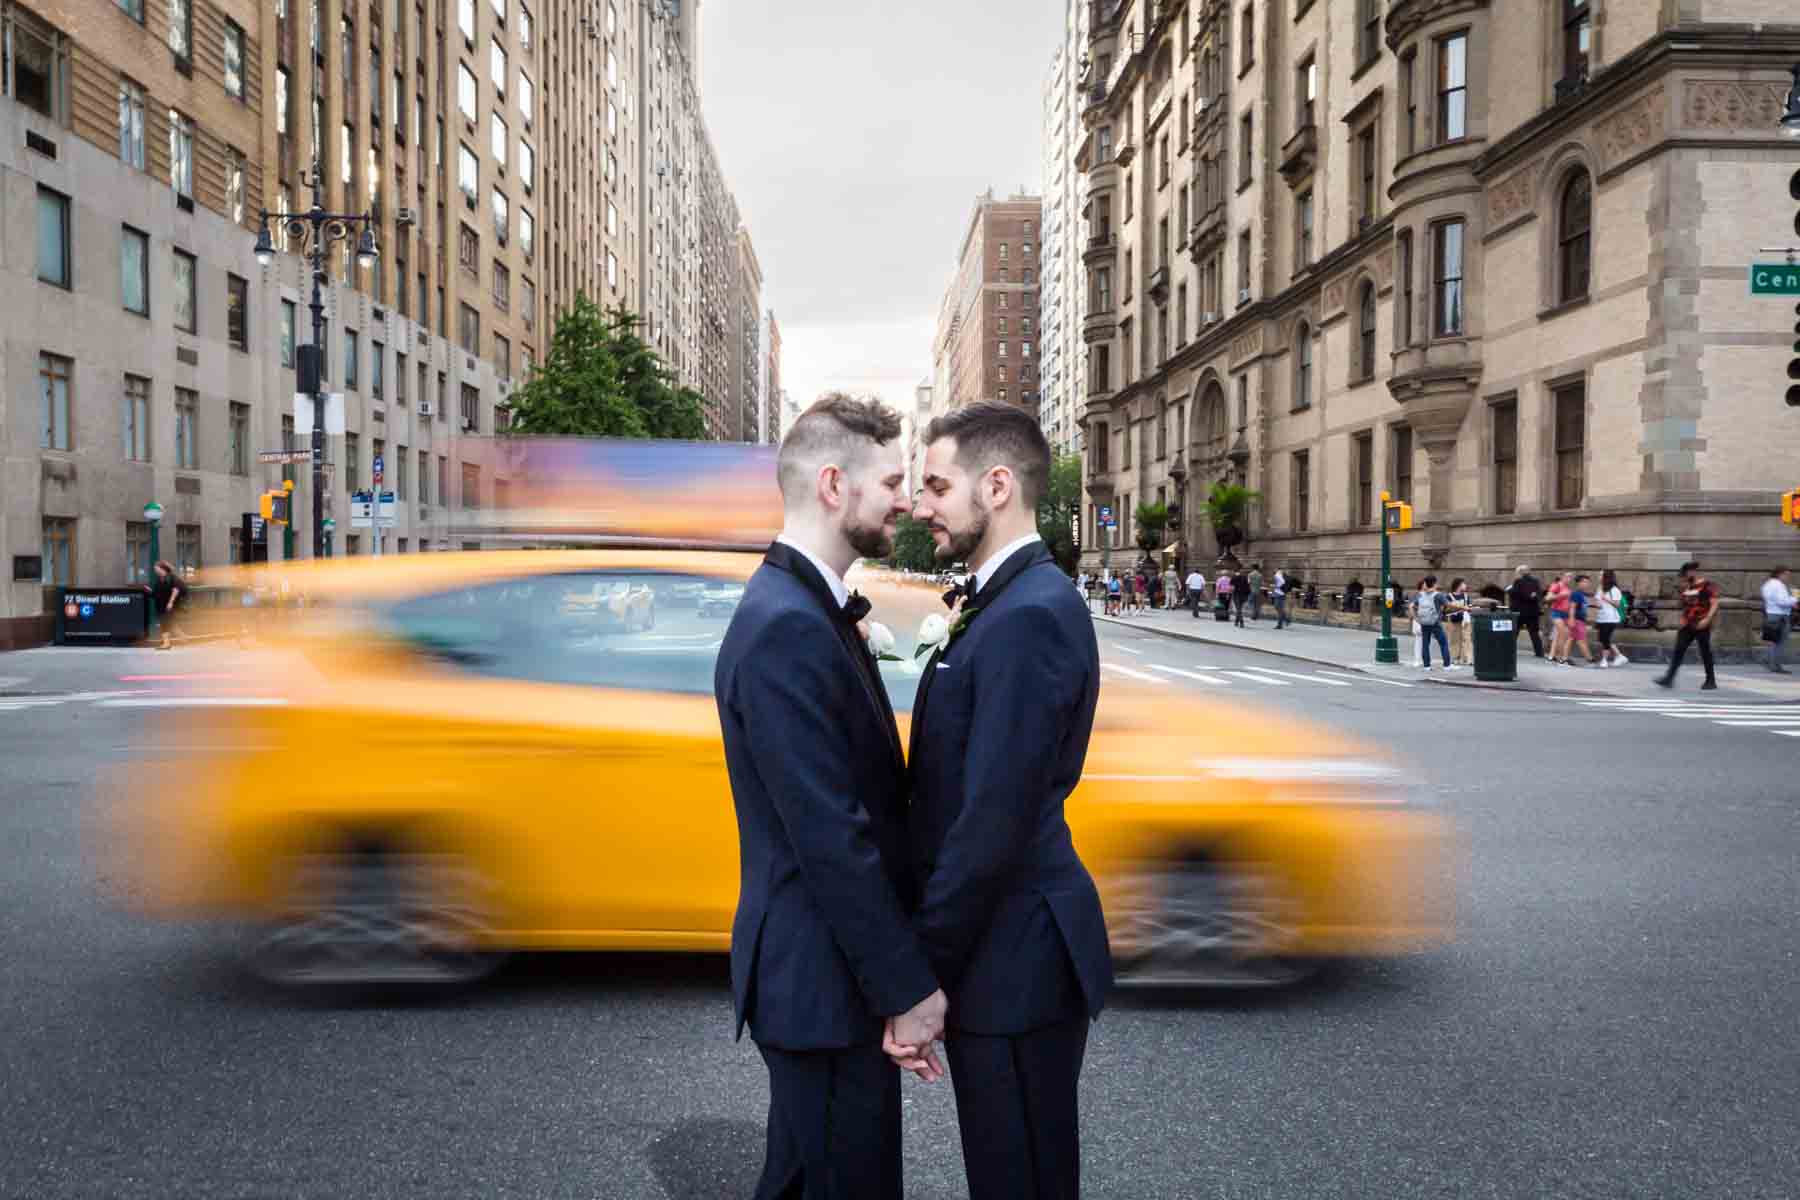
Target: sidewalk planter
[{"x": 1496, "y": 646}]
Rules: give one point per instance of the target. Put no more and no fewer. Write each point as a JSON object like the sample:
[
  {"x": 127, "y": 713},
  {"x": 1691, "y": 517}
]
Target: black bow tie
[
  {"x": 966, "y": 590},
  {"x": 856, "y": 607}
]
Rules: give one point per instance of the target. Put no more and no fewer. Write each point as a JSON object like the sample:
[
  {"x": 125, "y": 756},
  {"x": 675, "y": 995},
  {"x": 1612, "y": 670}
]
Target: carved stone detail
[
  {"x": 1512, "y": 195},
  {"x": 1732, "y": 105},
  {"x": 1633, "y": 126},
  {"x": 1384, "y": 270},
  {"x": 1335, "y": 292},
  {"x": 1247, "y": 345}
]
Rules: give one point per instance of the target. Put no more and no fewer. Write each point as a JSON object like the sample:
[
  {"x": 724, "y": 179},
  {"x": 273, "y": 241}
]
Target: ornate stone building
[{"x": 1495, "y": 266}]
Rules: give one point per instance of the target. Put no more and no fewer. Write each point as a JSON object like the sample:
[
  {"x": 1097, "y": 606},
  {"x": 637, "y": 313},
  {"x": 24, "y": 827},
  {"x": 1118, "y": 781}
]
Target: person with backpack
[
  {"x": 1610, "y": 606},
  {"x": 1556, "y": 599},
  {"x": 1429, "y": 608},
  {"x": 1525, "y": 598},
  {"x": 1115, "y": 596},
  {"x": 1578, "y": 620}
]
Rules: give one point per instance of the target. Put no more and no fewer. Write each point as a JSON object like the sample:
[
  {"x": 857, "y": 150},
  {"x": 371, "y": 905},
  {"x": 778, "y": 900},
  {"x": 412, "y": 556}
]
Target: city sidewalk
[{"x": 1354, "y": 650}]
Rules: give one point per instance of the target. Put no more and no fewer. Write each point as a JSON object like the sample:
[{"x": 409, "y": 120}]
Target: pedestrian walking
[
  {"x": 1196, "y": 591},
  {"x": 1240, "y": 597},
  {"x": 1171, "y": 587},
  {"x": 1556, "y": 599},
  {"x": 1778, "y": 615},
  {"x": 1222, "y": 596},
  {"x": 1525, "y": 598},
  {"x": 1278, "y": 593},
  {"x": 1428, "y": 610},
  {"x": 1255, "y": 598},
  {"x": 1128, "y": 598},
  {"x": 1699, "y": 608},
  {"x": 1141, "y": 597},
  {"x": 166, "y": 593},
  {"x": 1114, "y": 595},
  {"x": 1578, "y": 619},
  {"x": 1462, "y": 626},
  {"x": 1609, "y": 614}
]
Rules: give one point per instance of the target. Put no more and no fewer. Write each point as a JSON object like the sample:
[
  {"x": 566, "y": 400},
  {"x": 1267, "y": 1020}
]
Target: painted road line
[
  {"x": 197, "y": 702},
  {"x": 1359, "y": 678},
  {"x": 1214, "y": 680},
  {"x": 1756, "y": 722},
  {"x": 1260, "y": 679},
  {"x": 1131, "y": 674},
  {"x": 174, "y": 678},
  {"x": 18, "y": 702},
  {"x": 1126, "y": 649},
  {"x": 1301, "y": 678},
  {"x": 1786, "y": 732}
]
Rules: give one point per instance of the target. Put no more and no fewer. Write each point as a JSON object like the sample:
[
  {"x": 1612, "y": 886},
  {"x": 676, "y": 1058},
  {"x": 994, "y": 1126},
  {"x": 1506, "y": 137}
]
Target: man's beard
[
  {"x": 961, "y": 546},
  {"x": 869, "y": 541}
]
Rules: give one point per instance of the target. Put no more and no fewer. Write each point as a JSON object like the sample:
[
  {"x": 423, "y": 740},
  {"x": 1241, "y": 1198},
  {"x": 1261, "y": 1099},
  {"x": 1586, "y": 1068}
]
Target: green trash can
[{"x": 1496, "y": 646}]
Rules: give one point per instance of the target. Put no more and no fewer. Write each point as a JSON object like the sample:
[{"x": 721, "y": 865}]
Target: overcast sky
[{"x": 856, "y": 136}]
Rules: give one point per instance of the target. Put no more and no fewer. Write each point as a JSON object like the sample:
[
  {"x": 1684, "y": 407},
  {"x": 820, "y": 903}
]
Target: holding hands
[{"x": 908, "y": 1038}]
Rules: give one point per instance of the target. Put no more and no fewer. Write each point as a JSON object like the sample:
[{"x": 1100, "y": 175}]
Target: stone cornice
[{"x": 1405, "y": 17}]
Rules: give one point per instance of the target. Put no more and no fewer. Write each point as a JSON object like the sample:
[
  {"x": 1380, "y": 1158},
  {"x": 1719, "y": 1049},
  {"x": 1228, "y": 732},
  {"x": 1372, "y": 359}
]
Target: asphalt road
[{"x": 1617, "y": 1017}]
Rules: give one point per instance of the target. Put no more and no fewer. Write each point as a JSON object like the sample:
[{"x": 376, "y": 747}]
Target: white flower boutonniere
[
  {"x": 934, "y": 631},
  {"x": 881, "y": 643}
]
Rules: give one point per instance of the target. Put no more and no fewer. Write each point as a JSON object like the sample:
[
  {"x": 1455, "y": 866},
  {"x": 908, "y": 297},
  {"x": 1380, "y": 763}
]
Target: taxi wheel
[
  {"x": 373, "y": 916},
  {"x": 1208, "y": 923}
]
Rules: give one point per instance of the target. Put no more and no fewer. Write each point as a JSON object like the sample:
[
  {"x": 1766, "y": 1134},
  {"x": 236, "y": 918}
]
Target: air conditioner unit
[
  {"x": 468, "y": 426},
  {"x": 1212, "y": 318},
  {"x": 1243, "y": 295},
  {"x": 407, "y": 216},
  {"x": 1204, "y": 101},
  {"x": 424, "y": 408}
]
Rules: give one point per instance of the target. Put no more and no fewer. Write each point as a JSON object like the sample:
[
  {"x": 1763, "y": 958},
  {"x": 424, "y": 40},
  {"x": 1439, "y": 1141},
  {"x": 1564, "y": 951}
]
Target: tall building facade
[
  {"x": 505, "y": 150},
  {"x": 746, "y": 337},
  {"x": 1064, "y": 302},
  {"x": 770, "y": 430},
  {"x": 987, "y": 331},
  {"x": 1495, "y": 267}
]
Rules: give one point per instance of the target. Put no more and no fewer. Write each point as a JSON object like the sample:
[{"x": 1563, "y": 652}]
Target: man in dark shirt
[
  {"x": 1699, "y": 608},
  {"x": 1526, "y": 597}
]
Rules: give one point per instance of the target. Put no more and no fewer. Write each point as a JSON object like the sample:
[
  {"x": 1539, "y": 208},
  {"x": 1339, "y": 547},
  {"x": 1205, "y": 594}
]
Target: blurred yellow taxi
[{"x": 452, "y": 756}]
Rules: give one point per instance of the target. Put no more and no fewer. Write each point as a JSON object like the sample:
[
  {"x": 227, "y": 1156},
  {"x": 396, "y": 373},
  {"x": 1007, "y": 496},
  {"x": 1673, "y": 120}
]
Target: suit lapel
[{"x": 786, "y": 558}]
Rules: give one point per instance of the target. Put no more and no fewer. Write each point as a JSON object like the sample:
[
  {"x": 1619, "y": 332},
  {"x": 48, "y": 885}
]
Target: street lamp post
[{"x": 316, "y": 229}]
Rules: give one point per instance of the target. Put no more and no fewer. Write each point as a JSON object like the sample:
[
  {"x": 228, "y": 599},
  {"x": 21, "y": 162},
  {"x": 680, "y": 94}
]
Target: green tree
[
  {"x": 600, "y": 379},
  {"x": 1227, "y": 508},
  {"x": 1152, "y": 520},
  {"x": 1056, "y": 510},
  {"x": 913, "y": 548}
]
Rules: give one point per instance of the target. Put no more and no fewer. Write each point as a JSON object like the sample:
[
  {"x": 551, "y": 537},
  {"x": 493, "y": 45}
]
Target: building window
[
  {"x": 424, "y": 477},
  {"x": 377, "y": 370},
  {"x": 240, "y": 438},
  {"x": 59, "y": 551},
  {"x": 131, "y": 124},
  {"x": 187, "y": 549},
  {"x": 502, "y": 357},
  {"x": 181, "y": 155},
  {"x": 1403, "y": 267},
  {"x": 497, "y": 139},
  {"x": 234, "y": 60},
  {"x": 501, "y": 217},
  {"x": 133, "y": 9},
  {"x": 400, "y": 470},
  {"x": 352, "y": 461},
  {"x": 53, "y": 256},
  {"x": 528, "y": 303},
  {"x": 1447, "y": 279},
  {"x": 181, "y": 30},
  {"x": 1302, "y": 472},
  {"x": 237, "y": 311},
  {"x": 612, "y": 271},
  {"x": 187, "y": 306},
  {"x": 37, "y": 63},
  {"x": 1243, "y": 266},
  {"x": 1368, "y": 27},
  {"x": 1001, "y": 372},
  {"x": 1575, "y": 215},
  {"x": 1246, "y": 149},
  {"x": 1402, "y": 468},
  {"x": 1363, "y": 448},
  {"x": 1303, "y": 230},
  {"x": 1571, "y": 441},
  {"x": 288, "y": 313},
  {"x": 468, "y": 250},
  {"x": 187, "y": 433},
  {"x": 1303, "y": 363},
  {"x": 1506, "y": 457},
  {"x": 1409, "y": 103},
  {"x": 1306, "y": 92},
  {"x": 465, "y": 92},
  {"x": 234, "y": 185},
  {"x": 134, "y": 418},
  {"x": 471, "y": 486},
  {"x": 502, "y": 286},
  {"x": 527, "y": 165},
  {"x": 1247, "y": 30},
  {"x": 465, "y": 19},
  {"x": 468, "y": 175},
  {"x": 1365, "y": 330},
  {"x": 468, "y": 329},
  {"x": 1368, "y": 196},
  {"x": 134, "y": 270},
  {"x": 352, "y": 352},
  {"x": 443, "y": 480},
  {"x": 1453, "y": 88},
  {"x": 1576, "y": 40}
]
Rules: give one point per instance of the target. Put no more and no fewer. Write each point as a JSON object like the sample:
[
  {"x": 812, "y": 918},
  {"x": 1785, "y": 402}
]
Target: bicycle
[{"x": 1642, "y": 615}]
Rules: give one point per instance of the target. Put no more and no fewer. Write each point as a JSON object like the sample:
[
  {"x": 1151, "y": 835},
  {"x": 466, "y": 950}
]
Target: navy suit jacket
[
  {"x": 1008, "y": 914},
  {"x": 821, "y": 950}
]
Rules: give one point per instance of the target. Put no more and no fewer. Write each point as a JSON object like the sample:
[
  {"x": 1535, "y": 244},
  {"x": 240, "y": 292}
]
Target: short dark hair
[
  {"x": 836, "y": 425},
  {"x": 991, "y": 434},
  {"x": 1688, "y": 567},
  {"x": 1428, "y": 581}
]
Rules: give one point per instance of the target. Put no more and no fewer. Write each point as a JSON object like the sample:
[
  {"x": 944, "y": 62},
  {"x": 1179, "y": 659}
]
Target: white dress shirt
[
  {"x": 1777, "y": 600},
  {"x": 1001, "y": 555},
  {"x": 840, "y": 591}
]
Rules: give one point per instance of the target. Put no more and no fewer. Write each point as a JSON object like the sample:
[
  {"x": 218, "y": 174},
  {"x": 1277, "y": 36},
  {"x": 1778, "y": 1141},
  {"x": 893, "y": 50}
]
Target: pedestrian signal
[
  {"x": 275, "y": 507},
  {"x": 1398, "y": 516},
  {"x": 1790, "y": 507}
]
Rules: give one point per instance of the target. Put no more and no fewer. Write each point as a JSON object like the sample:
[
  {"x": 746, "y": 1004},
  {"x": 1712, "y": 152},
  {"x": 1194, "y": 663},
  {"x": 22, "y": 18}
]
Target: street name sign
[
  {"x": 283, "y": 456},
  {"x": 1775, "y": 279}
]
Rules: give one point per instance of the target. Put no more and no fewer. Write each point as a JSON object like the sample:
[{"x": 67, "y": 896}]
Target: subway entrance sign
[{"x": 1775, "y": 279}]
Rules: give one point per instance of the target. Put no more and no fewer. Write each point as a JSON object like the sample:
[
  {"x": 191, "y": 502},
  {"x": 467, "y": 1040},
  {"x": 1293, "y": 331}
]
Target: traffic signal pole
[{"x": 1387, "y": 650}]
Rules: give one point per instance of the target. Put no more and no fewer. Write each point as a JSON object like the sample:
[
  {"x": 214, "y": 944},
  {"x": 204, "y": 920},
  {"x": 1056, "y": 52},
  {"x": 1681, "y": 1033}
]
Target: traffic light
[
  {"x": 1397, "y": 516},
  {"x": 275, "y": 505},
  {"x": 1790, "y": 507}
]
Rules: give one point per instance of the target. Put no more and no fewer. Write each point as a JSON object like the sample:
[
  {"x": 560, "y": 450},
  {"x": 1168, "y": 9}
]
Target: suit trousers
[
  {"x": 1017, "y": 1109},
  {"x": 834, "y": 1125},
  {"x": 1690, "y": 636}
]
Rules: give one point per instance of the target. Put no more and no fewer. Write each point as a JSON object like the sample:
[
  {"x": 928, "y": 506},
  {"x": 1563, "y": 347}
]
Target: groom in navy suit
[
  {"x": 823, "y": 959},
  {"x": 1008, "y": 916}
]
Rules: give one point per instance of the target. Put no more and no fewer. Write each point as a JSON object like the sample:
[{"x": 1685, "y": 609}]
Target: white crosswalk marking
[
  {"x": 1262, "y": 679},
  {"x": 197, "y": 702},
  {"x": 1773, "y": 718},
  {"x": 1302, "y": 678},
  {"x": 1126, "y": 649},
  {"x": 1213, "y": 680},
  {"x": 1145, "y": 676},
  {"x": 1370, "y": 679},
  {"x": 14, "y": 703}
]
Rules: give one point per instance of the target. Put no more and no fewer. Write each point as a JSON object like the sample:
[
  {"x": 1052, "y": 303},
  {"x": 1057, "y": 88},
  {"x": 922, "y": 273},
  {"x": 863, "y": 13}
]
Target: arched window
[
  {"x": 1209, "y": 423},
  {"x": 1574, "y": 234},
  {"x": 1365, "y": 329},
  {"x": 1303, "y": 367}
]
